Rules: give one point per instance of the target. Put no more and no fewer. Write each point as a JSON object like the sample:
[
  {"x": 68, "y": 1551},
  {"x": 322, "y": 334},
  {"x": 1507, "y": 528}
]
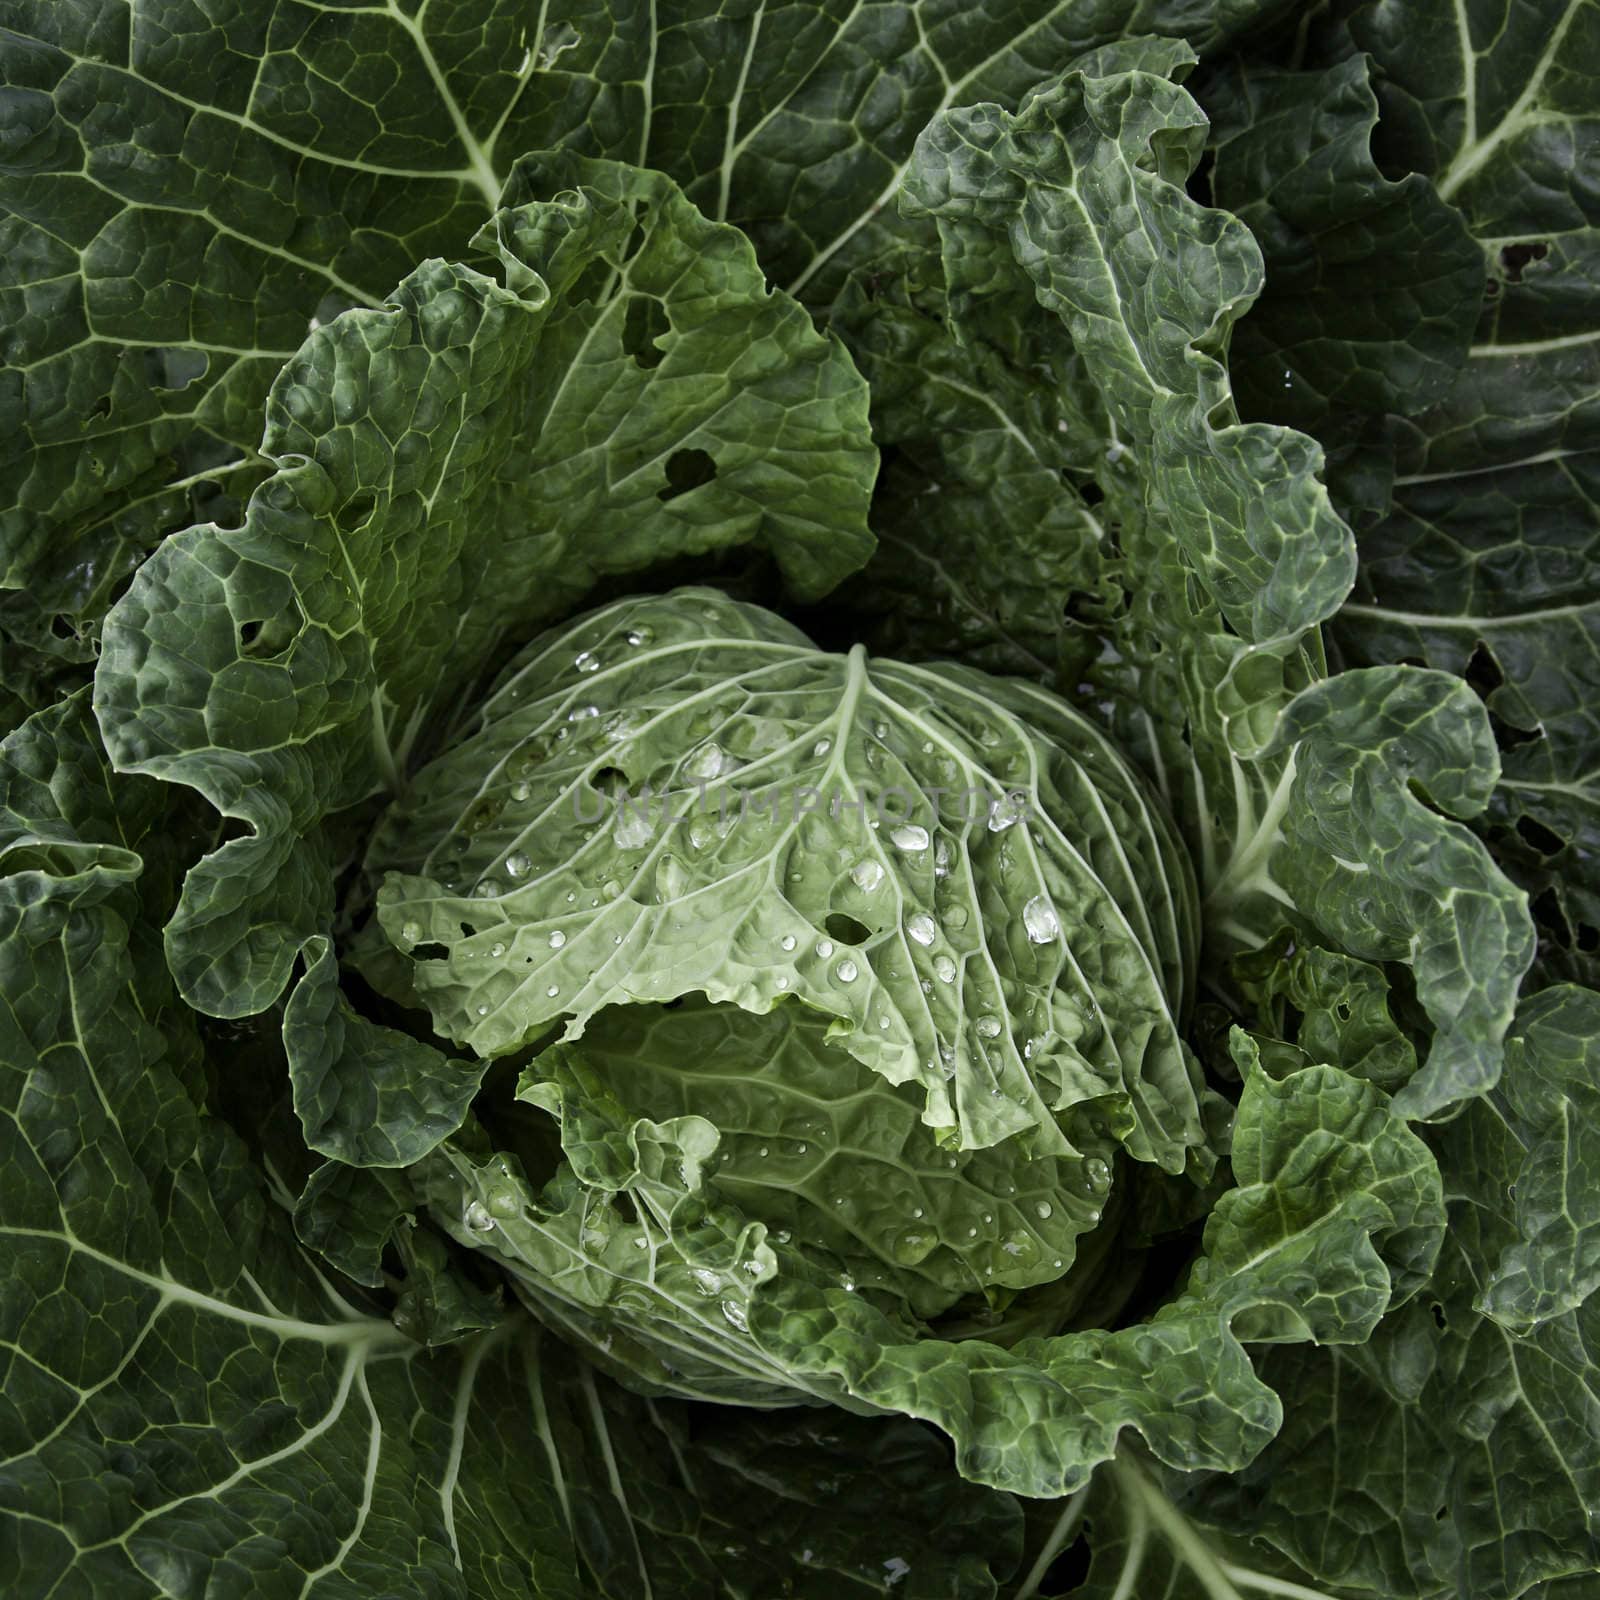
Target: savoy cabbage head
[{"x": 799, "y": 800}]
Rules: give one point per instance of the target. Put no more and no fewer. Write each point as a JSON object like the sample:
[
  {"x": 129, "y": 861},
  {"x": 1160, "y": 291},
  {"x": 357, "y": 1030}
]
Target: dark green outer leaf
[
  {"x": 1455, "y": 1454},
  {"x": 1485, "y": 564},
  {"x": 1143, "y": 1542},
  {"x": 691, "y": 1503},
  {"x": 189, "y": 1406},
  {"x": 1550, "y": 1103},
  {"x": 1372, "y": 287},
  {"x": 188, "y": 186}
]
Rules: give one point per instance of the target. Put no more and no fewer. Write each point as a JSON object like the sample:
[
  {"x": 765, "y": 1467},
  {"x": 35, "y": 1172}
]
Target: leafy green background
[{"x": 258, "y": 338}]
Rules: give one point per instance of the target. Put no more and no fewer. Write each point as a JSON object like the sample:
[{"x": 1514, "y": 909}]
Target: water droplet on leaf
[
  {"x": 866, "y": 875},
  {"x": 1039, "y": 918}
]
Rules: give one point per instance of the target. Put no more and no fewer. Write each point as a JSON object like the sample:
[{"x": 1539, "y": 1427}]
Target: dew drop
[
  {"x": 944, "y": 969},
  {"x": 1039, "y": 918},
  {"x": 477, "y": 1218},
  {"x": 922, "y": 928},
  {"x": 824, "y": 948},
  {"x": 483, "y": 1011},
  {"x": 410, "y": 932},
  {"x": 912, "y": 1246},
  {"x": 586, "y": 661},
  {"x": 1004, "y": 813},
  {"x": 671, "y": 879},
  {"x": 632, "y": 829},
  {"x": 553, "y": 990},
  {"x": 520, "y": 790},
  {"x": 517, "y": 865},
  {"x": 496, "y": 951},
  {"x": 909, "y": 836},
  {"x": 735, "y": 1315},
  {"x": 640, "y": 635},
  {"x": 706, "y": 761},
  {"x": 787, "y": 941},
  {"x": 1043, "y": 1210},
  {"x": 955, "y": 917},
  {"x": 705, "y": 1280},
  {"x": 1096, "y": 1174},
  {"x": 486, "y": 888},
  {"x": 821, "y": 748},
  {"x": 988, "y": 1027},
  {"x": 557, "y": 939},
  {"x": 866, "y": 875}
]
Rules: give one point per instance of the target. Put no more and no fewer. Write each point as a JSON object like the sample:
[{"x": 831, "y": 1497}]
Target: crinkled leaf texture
[
  {"x": 367, "y": 1095},
  {"x": 192, "y": 1406},
  {"x": 1455, "y": 1452},
  {"x": 681, "y": 795},
  {"x": 1317, "y": 813},
  {"x": 1101, "y": 156},
  {"x": 1391, "y": 878},
  {"x": 187, "y": 188},
  {"x": 645, "y": 1254},
  {"x": 460, "y": 463}
]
